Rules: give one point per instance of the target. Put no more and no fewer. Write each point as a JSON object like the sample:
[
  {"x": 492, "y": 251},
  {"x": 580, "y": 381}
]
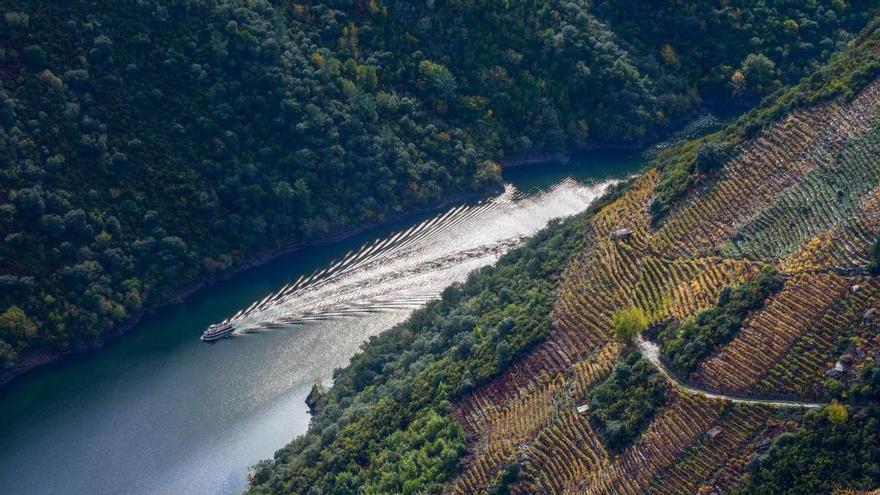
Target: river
[{"x": 157, "y": 411}]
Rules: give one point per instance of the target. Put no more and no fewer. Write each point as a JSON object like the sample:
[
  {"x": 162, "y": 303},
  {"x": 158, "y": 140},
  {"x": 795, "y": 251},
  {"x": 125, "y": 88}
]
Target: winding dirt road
[{"x": 652, "y": 353}]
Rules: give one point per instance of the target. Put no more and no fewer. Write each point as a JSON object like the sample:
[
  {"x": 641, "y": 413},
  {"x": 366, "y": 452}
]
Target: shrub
[
  {"x": 510, "y": 476},
  {"x": 710, "y": 156},
  {"x": 874, "y": 262}
]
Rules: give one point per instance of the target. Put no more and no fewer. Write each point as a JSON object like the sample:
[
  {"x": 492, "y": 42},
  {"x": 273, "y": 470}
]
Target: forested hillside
[
  {"x": 758, "y": 277},
  {"x": 147, "y": 144}
]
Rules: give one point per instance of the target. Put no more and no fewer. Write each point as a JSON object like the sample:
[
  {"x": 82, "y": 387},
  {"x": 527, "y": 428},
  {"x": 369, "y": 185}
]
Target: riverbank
[
  {"x": 724, "y": 110},
  {"x": 42, "y": 358},
  {"x": 568, "y": 155},
  {"x": 134, "y": 411}
]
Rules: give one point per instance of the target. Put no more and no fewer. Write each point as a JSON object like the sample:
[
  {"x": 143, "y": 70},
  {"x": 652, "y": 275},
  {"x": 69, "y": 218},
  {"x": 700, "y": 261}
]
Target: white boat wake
[{"x": 411, "y": 267}]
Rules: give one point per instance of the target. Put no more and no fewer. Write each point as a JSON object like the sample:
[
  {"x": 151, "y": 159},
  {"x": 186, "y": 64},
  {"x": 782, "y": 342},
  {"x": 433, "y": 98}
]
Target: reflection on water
[
  {"x": 157, "y": 411},
  {"x": 407, "y": 268}
]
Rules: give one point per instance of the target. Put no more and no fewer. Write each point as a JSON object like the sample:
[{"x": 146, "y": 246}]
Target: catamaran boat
[{"x": 217, "y": 331}]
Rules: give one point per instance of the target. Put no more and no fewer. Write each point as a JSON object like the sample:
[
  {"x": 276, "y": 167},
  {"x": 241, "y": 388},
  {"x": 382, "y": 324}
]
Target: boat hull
[{"x": 210, "y": 337}]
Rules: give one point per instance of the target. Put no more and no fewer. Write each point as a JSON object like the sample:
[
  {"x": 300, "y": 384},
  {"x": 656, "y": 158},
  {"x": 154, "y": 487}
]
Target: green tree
[
  {"x": 760, "y": 72},
  {"x": 710, "y": 156},
  {"x": 836, "y": 413},
  {"x": 29, "y": 201},
  {"x": 438, "y": 78},
  {"x": 7, "y": 355},
  {"x": 34, "y": 56},
  {"x": 502, "y": 355},
  {"x": 628, "y": 323},
  {"x": 14, "y": 322}
]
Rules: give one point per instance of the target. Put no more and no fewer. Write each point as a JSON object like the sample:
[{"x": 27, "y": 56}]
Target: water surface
[{"x": 156, "y": 411}]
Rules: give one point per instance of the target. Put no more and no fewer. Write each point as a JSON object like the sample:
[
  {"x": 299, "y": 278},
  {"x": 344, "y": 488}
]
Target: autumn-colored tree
[
  {"x": 670, "y": 56},
  {"x": 14, "y": 324},
  {"x": 628, "y": 323},
  {"x": 836, "y": 413}
]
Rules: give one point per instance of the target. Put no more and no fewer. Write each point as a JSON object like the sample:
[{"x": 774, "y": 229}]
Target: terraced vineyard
[
  {"x": 803, "y": 195},
  {"x": 802, "y": 371},
  {"x": 710, "y": 460},
  {"x": 840, "y": 246},
  {"x": 769, "y": 169},
  {"x": 826, "y": 197},
  {"x": 805, "y": 299}
]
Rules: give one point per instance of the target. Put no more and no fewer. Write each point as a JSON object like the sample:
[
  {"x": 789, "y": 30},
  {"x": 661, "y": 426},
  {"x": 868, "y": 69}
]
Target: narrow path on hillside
[{"x": 652, "y": 353}]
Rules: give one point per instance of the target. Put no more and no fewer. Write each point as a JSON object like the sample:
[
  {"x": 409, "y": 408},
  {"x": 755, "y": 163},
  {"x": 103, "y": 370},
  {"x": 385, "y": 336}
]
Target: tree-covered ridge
[
  {"x": 145, "y": 145},
  {"x": 759, "y": 46},
  {"x": 536, "y": 74}
]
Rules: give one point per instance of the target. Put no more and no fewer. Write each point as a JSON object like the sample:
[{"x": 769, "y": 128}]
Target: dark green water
[{"x": 157, "y": 411}]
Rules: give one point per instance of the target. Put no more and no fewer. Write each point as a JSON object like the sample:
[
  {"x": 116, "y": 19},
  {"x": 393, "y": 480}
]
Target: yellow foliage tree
[
  {"x": 670, "y": 57},
  {"x": 628, "y": 323},
  {"x": 16, "y": 322},
  {"x": 836, "y": 413}
]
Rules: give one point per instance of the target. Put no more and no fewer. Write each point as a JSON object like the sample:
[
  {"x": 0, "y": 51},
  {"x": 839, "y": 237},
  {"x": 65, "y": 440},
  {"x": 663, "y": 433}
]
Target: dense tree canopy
[
  {"x": 146, "y": 144},
  {"x": 829, "y": 451},
  {"x": 625, "y": 402}
]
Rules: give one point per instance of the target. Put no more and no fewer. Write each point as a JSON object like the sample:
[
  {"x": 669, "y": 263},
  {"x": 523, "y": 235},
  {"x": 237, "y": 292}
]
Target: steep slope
[
  {"x": 795, "y": 189},
  {"x": 146, "y": 146},
  {"x": 766, "y": 190}
]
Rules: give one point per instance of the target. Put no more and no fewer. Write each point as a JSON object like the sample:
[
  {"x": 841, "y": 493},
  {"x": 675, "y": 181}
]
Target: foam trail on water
[{"x": 410, "y": 267}]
